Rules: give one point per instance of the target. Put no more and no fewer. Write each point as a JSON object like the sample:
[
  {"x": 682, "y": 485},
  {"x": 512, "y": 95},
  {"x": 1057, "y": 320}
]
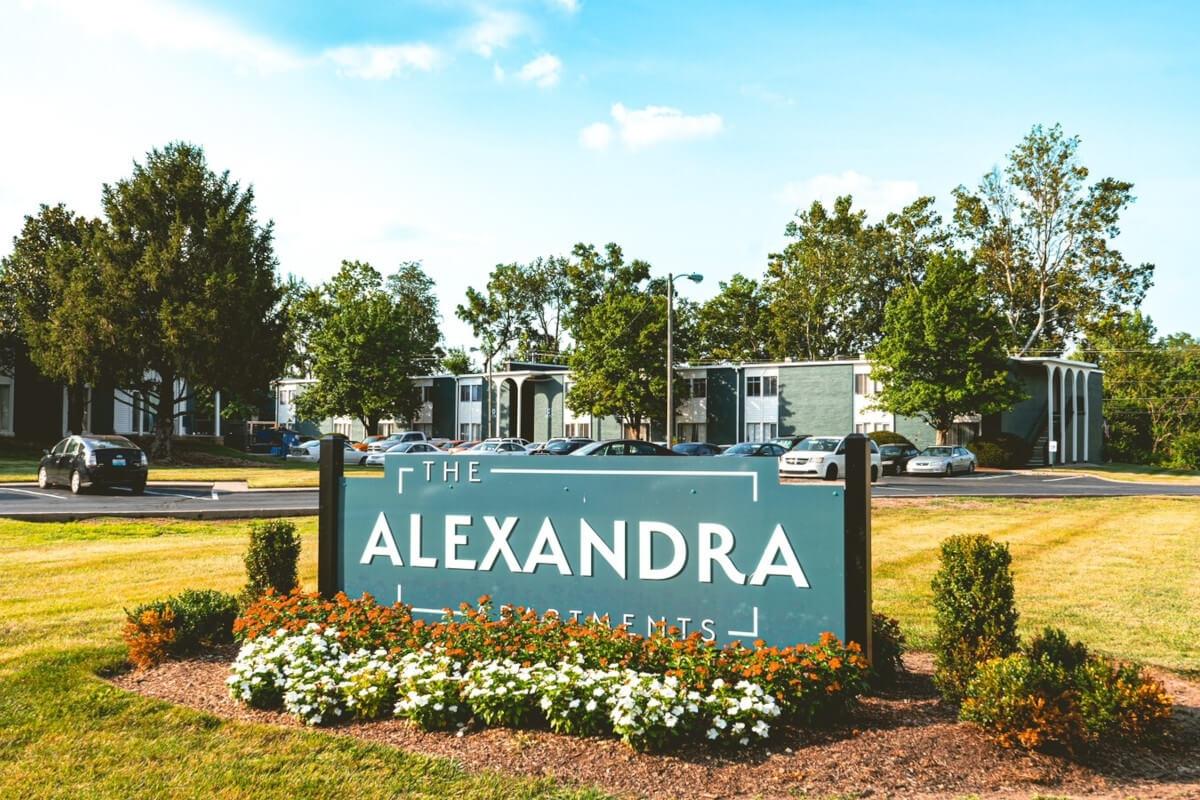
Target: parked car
[
  {"x": 560, "y": 447},
  {"x": 824, "y": 457},
  {"x": 80, "y": 461},
  {"x": 752, "y": 449},
  {"x": 414, "y": 448},
  {"x": 463, "y": 446},
  {"x": 942, "y": 460},
  {"x": 396, "y": 438},
  {"x": 697, "y": 449},
  {"x": 497, "y": 447},
  {"x": 310, "y": 453},
  {"x": 789, "y": 442},
  {"x": 365, "y": 444},
  {"x": 895, "y": 457},
  {"x": 624, "y": 447}
]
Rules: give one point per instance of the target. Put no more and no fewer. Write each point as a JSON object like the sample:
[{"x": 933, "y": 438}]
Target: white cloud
[
  {"x": 652, "y": 125},
  {"x": 494, "y": 29},
  {"x": 596, "y": 136},
  {"x": 877, "y": 197},
  {"x": 171, "y": 27},
  {"x": 569, "y": 6},
  {"x": 498, "y": 72},
  {"x": 376, "y": 62},
  {"x": 543, "y": 71}
]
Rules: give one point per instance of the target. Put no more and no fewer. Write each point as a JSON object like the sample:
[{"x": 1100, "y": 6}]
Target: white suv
[
  {"x": 823, "y": 457},
  {"x": 382, "y": 445}
]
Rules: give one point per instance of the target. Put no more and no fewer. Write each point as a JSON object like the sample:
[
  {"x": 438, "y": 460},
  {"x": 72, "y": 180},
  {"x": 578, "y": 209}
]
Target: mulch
[{"x": 905, "y": 743}]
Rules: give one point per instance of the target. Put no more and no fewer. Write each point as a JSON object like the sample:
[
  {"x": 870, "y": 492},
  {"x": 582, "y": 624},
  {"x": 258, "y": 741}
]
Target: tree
[
  {"x": 1042, "y": 237},
  {"x": 618, "y": 322},
  {"x": 828, "y": 288},
  {"x": 186, "y": 291},
  {"x": 734, "y": 324},
  {"x": 499, "y": 316},
  {"x": 942, "y": 354},
  {"x": 1151, "y": 389},
  {"x": 522, "y": 311},
  {"x": 48, "y": 275},
  {"x": 457, "y": 361},
  {"x": 370, "y": 336}
]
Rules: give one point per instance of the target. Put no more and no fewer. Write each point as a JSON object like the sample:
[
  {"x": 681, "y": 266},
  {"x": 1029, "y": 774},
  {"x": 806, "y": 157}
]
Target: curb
[{"x": 227, "y": 513}]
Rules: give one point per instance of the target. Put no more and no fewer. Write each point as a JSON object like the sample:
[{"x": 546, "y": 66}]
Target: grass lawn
[{"x": 1122, "y": 573}]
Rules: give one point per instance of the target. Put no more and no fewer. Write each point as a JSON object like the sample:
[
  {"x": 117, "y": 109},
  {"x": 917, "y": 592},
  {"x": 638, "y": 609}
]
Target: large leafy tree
[
  {"x": 733, "y": 325},
  {"x": 186, "y": 287},
  {"x": 369, "y": 337},
  {"x": 828, "y": 288},
  {"x": 618, "y": 322},
  {"x": 457, "y": 361},
  {"x": 522, "y": 310},
  {"x": 1043, "y": 238},
  {"x": 942, "y": 355},
  {"x": 1151, "y": 390},
  {"x": 50, "y": 273}
]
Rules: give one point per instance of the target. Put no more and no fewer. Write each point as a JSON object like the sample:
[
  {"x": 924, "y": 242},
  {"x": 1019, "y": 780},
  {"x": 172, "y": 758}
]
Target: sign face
[
  {"x": 714, "y": 545},
  {"x": 1053, "y": 446}
]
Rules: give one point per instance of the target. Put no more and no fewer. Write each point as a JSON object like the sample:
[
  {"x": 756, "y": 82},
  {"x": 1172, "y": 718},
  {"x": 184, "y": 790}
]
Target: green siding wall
[
  {"x": 546, "y": 411},
  {"x": 722, "y": 404},
  {"x": 1095, "y": 390},
  {"x": 816, "y": 399},
  {"x": 1027, "y": 418},
  {"x": 916, "y": 430},
  {"x": 445, "y": 399}
]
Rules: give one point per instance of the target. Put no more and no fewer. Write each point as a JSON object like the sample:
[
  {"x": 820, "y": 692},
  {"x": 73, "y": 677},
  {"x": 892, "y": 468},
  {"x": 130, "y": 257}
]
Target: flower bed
[{"x": 327, "y": 660}]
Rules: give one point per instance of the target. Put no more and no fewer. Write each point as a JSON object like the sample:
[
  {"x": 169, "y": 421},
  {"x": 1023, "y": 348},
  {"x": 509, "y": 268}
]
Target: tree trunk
[
  {"x": 372, "y": 425},
  {"x": 76, "y": 397},
  {"x": 164, "y": 418}
]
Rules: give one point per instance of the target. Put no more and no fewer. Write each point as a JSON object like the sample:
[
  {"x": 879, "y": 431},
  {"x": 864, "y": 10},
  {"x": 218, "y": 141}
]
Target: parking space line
[
  {"x": 175, "y": 494},
  {"x": 29, "y": 491},
  {"x": 1068, "y": 478}
]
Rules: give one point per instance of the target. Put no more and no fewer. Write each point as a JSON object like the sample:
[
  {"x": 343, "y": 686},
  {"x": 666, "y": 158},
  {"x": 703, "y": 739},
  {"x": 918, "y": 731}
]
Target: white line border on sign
[{"x": 753, "y": 476}]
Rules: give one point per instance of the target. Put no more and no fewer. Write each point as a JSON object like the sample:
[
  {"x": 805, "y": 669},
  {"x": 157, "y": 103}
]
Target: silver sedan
[
  {"x": 942, "y": 460},
  {"x": 376, "y": 459}
]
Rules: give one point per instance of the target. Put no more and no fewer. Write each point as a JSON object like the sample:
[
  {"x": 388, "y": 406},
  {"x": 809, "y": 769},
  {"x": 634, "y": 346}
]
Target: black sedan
[
  {"x": 80, "y": 461},
  {"x": 624, "y": 447},
  {"x": 696, "y": 449},
  {"x": 560, "y": 447},
  {"x": 896, "y": 457},
  {"x": 752, "y": 449}
]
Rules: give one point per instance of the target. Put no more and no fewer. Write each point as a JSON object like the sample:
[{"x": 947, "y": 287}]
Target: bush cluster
[
  {"x": 272, "y": 559},
  {"x": 1055, "y": 694},
  {"x": 888, "y": 645},
  {"x": 974, "y": 612},
  {"x": 312, "y": 675},
  {"x": 1001, "y": 450},
  {"x": 178, "y": 625},
  {"x": 888, "y": 437},
  {"x": 809, "y": 683}
]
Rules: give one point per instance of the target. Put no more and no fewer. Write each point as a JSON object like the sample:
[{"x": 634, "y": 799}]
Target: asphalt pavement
[
  {"x": 187, "y": 501},
  {"x": 214, "y": 501}
]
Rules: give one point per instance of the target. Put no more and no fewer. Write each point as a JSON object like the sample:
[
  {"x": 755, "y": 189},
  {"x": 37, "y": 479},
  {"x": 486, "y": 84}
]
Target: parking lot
[{"x": 1014, "y": 484}]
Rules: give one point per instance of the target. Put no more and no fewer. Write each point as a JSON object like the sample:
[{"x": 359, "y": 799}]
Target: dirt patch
[{"x": 906, "y": 743}]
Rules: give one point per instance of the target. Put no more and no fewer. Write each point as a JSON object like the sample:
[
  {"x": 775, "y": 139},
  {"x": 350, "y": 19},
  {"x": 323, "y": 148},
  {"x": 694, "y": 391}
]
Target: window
[
  {"x": 470, "y": 392},
  {"x": 343, "y": 428},
  {"x": 754, "y": 386},
  {"x": 860, "y": 427},
  {"x": 770, "y": 386},
  {"x": 760, "y": 431},
  {"x": 468, "y": 431},
  {"x": 427, "y": 394},
  {"x": 883, "y": 426},
  {"x": 581, "y": 430},
  {"x": 695, "y": 388},
  {"x": 691, "y": 431}
]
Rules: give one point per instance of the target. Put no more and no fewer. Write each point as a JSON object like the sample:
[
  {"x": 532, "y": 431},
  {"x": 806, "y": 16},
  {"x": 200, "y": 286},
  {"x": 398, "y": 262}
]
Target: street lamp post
[{"x": 695, "y": 277}]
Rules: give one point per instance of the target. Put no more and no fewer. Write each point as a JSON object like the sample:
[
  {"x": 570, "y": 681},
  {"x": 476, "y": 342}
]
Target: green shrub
[
  {"x": 272, "y": 562},
  {"x": 178, "y": 625},
  {"x": 888, "y": 437},
  {"x": 1001, "y": 450},
  {"x": 888, "y": 645},
  {"x": 973, "y": 610},
  {"x": 1056, "y": 695},
  {"x": 1185, "y": 451}
]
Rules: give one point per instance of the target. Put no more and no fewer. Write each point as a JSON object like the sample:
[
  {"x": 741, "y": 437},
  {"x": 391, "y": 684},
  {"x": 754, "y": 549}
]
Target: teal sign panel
[{"x": 715, "y": 545}]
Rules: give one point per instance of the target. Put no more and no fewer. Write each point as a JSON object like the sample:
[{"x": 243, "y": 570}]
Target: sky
[{"x": 467, "y": 134}]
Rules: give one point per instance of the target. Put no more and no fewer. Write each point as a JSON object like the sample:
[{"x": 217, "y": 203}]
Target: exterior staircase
[{"x": 1037, "y": 456}]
